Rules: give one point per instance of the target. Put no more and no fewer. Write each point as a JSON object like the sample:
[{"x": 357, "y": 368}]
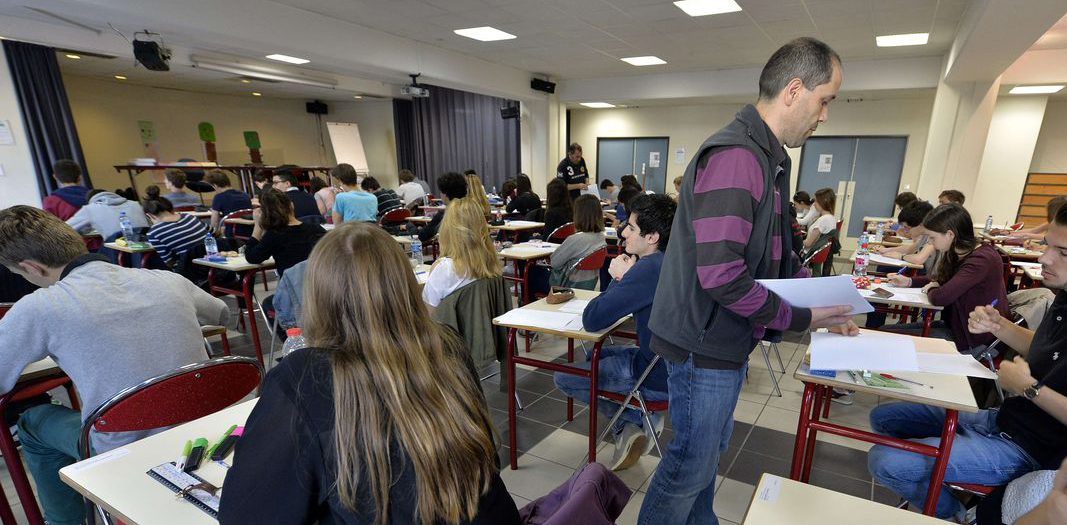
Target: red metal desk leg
[
  {"x": 570, "y": 359},
  {"x": 944, "y": 449},
  {"x": 510, "y": 349},
  {"x": 594, "y": 365},
  {"x": 247, "y": 283},
  {"x": 821, "y": 393},
  {"x": 928, "y": 319},
  {"x": 120, "y": 258},
  {"x": 802, "y": 430},
  {"x": 145, "y": 258}
]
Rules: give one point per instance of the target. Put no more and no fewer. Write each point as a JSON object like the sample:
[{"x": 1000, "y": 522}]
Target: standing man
[
  {"x": 572, "y": 170},
  {"x": 732, "y": 227}
]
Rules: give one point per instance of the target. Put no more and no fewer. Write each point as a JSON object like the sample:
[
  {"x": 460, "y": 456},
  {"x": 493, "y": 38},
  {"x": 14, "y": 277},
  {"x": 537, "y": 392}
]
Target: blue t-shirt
[{"x": 356, "y": 206}]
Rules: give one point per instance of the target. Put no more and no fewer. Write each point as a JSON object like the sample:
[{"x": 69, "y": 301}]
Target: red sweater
[{"x": 977, "y": 282}]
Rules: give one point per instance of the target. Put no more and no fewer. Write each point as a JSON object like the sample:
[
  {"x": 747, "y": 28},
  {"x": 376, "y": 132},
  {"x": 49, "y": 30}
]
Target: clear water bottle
[
  {"x": 294, "y": 341},
  {"x": 878, "y": 232},
  {"x": 416, "y": 251},
  {"x": 211, "y": 248},
  {"x": 127, "y": 227},
  {"x": 862, "y": 257},
  {"x": 989, "y": 224}
]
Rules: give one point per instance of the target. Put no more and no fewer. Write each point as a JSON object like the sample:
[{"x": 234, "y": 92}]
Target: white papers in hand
[
  {"x": 819, "y": 291},
  {"x": 954, "y": 364},
  {"x": 560, "y": 321},
  {"x": 574, "y": 306},
  {"x": 885, "y": 353}
]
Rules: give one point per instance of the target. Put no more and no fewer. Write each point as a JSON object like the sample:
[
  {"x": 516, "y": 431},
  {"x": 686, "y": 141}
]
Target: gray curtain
[
  {"x": 404, "y": 126},
  {"x": 456, "y": 131},
  {"x": 43, "y": 103}
]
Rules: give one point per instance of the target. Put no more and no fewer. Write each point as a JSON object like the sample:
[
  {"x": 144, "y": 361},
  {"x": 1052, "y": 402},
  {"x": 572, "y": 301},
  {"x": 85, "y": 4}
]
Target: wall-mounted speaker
[
  {"x": 509, "y": 112},
  {"x": 317, "y": 107},
  {"x": 543, "y": 85}
]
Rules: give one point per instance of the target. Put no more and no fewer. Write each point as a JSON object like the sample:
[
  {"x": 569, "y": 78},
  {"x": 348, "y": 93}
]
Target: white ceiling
[{"x": 586, "y": 38}]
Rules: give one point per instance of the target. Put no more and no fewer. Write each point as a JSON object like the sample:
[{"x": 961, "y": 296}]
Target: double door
[
  {"x": 864, "y": 172},
  {"x": 643, "y": 157}
]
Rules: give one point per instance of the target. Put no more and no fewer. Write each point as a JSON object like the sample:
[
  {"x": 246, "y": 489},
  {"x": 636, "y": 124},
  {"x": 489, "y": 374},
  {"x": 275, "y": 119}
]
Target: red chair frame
[
  {"x": 205, "y": 388},
  {"x": 560, "y": 234},
  {"x": 395, "y": 215}
]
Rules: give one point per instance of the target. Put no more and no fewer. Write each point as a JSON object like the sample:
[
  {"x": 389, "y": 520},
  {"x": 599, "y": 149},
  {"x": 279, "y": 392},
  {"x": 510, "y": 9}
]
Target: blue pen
[
  {"x": 902, "y": 270},
  {"x": 994, "y": 303}
]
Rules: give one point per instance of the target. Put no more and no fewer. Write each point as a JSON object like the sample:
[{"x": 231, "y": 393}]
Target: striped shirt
[
  {"x": 172, "y": 239},
  {"x": 727, "y": 191},
  {"x": 387, "y": 200}
]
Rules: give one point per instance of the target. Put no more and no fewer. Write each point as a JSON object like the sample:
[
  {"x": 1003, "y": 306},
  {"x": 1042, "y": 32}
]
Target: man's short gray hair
[{"x": 808, "y": 59}]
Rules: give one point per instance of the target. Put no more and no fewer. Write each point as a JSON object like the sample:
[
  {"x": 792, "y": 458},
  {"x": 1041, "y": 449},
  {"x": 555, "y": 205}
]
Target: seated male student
[
  {"x": 71, "y": 195},
  {"x": 103, "y": 211},
  {"x": 387, "y": 199},
  {"x": 635, "y": 275},
  {"x": 226, "y": 201},
  {"x": 352, "y": 204},
  {"x": 452, "y": 186},
  {"x": 108, "y": 327},
  {"x": 304, "y": 204},
  {"x": 951, "y": 197},
  {"x": 992, "y": 447}
]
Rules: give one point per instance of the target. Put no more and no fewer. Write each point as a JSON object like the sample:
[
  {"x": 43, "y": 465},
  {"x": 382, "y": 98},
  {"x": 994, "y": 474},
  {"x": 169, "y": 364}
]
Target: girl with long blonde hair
[
  {"x": 476, "y": 192},
  {"x": 467, "y": 252},
  {"x": 381, "y": 420}
]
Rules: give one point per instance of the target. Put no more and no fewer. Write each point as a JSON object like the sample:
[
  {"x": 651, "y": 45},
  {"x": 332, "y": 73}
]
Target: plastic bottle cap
[{"x": 292, "y": 332}]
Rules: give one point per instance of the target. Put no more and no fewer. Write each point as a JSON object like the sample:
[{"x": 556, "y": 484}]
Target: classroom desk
[
  {"x": 419, "y": 220},
  {"x": 37, "y": 378},
  {"x": 118, "y": 482},
  {"x": 995, "y": 239},
  {"x": 198, "y": 214},
  {"x": 433, "y": 208},
  {"x": 247, "y": 271},
  {"x": 869, "y": 222},
  {"x": 779, "y": 500},
  {"x": 875, "y": 259},
  {"x": 952, "y": 393},
  {"x": 597, "y": 338},
  {"x": 1031, "y": 273},
  {"x": 904, "y": 304},
  {"x": 528, "y": 252},
  {"x": 240, "y": 221},
  {"x": 146, "y": 252},
  {"x": 244, "y": 173},
  {"x": 517, "y": 226},
  {"x": 1018, "y": 253}
]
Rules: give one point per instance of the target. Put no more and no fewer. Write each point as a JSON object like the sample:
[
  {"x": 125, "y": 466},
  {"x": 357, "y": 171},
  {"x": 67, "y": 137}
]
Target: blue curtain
[
  {"x": 45, "y": 110},
  {"x": 457, "y": 130}
]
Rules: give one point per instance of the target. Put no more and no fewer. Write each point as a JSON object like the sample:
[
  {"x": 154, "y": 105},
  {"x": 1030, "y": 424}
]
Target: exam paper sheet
[
  {"x": 819, "y": 291},
  {"x": 867, "y": 351}
]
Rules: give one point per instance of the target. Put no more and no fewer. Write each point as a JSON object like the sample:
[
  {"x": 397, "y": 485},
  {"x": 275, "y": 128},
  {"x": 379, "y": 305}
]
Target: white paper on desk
[
  {"x": 819, "y": 291},
  {"x": 882, "y": 352},
  {"x": 909, "y": 295},
  {"x": 574, "y": 306},
  {"x": 540, "y": 319},
  {"x": 522, "y": 223},
  {"x": 954, "y": 365},
  {"x": 888, "y": 261}
]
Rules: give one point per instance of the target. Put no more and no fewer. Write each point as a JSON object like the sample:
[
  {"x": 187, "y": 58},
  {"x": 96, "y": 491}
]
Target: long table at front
[
  {"x": 952, "y": 393},
  {"x": 117, "y": 480}
]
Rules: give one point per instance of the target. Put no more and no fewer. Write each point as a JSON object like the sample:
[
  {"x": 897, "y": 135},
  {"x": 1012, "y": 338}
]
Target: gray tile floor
[{"x": 551, "y": 447}]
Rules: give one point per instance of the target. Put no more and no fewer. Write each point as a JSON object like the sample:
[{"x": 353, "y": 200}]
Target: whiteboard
[{"x": 347, "y": 145}]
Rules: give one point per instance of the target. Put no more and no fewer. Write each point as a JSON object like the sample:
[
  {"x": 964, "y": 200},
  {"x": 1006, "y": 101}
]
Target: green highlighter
[
  {"x": 221, "y": 439},
  {"x": 195, "y": 455}
]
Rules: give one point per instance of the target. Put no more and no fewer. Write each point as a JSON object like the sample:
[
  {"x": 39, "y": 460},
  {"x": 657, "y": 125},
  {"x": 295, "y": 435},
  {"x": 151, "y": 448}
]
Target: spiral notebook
[{"x": 176, "y": 480}]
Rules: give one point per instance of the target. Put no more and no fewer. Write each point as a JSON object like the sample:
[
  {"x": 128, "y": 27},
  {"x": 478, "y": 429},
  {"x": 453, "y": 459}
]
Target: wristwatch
[{"x": 1032, "y": 391}]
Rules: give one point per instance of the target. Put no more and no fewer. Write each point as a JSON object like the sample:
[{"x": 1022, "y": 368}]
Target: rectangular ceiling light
[
  {"x": 289, "y": 59},
  {"x": 707, "y": 7},
  {"x": 911, "y": 39},
  {"x": 598, "y": 105},
  {"x": 484, "y": 33},
  {"x": 1034, "y": 90},
  {"x": 644, "y": 61}
]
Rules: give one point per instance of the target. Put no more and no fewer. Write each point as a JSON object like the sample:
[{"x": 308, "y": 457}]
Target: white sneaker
[
  {"x": 629, "y": 445},
  {"x": 652, "y": 434}
]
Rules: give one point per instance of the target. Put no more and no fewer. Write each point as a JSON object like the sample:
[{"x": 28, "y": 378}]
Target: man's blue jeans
[
  {"x": 980, "y": 454},
  {"x": 702, "y": 415},
  {"x": 614, "y": 374},
  {"x": 49, "y": 436}
]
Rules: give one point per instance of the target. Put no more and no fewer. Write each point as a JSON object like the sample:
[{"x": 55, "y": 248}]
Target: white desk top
[
  {"x": 37, "y": 369},
  {"x": 515, "y": 226},
  {"x": 581, "y": 335},
  {"x": 527, "y": 251},
  {"x": 123, "y": 248},
  {"x": 117, "y": 481},
  {"x": 419, "y": 220},
  {"x": 198, "y": 214},
  {"x": 950, "y": 392},
  {"x": 243, "y": 222},
  {"x": 1018, "y": 252},
  {"x": 1031, "y": 269},
  {"x": 780, "y": 500},
  {"x": 235, "y": 264},
  {"x": 881, "y": 260},
  {"x": 911, "y": 297},
  {"x": 878, "y": 219}
]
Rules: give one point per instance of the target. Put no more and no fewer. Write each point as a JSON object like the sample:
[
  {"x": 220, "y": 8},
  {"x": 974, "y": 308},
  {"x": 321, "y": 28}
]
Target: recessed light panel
[
  {"x": 644, "y": 61},
  {"x": 485, "y": 33},
  {"x": 910, "y": 39},
  {"x": 598, "y": 105},
  {"x": 289, "y": 59},
  {"x": 1034, "y": 90},
  {"x": 707, "y": 7}
]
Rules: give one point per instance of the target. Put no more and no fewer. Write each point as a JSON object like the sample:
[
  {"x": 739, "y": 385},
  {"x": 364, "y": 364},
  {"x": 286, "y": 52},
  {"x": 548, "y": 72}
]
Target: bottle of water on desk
[
  {"x": 126, "y": 227},
  {"x": 878, "y": 232},
  {"x": 862, "y": 257},
  {"x": 294, "y": 341},
  {"x": 989, "y": 224},
  {"x": 416, "y": 251},
  {"x": 211, "y": 248}
]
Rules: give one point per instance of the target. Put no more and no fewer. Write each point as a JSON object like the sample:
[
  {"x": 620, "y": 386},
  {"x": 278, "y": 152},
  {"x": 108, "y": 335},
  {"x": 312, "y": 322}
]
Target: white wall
[
  {"x": 18, "y": 184},
  {"x": 1006, "y": 159},
  {"x": 688, "y": 126},
  {"x": 1050, "y": 153},
  {"x": 106, "y": 115}
]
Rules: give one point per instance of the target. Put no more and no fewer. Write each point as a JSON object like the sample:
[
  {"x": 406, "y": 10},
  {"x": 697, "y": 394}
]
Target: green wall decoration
[{"x": 207, "y": 131}]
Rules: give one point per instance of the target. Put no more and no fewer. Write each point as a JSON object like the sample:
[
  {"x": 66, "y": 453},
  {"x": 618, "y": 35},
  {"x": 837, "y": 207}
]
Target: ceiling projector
[{"x": 414, "y": 89}]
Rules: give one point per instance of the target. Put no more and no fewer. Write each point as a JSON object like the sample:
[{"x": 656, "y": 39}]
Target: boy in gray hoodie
[
  {"x": 107, "y": 327},
  {"x": 102, "y": 214}
]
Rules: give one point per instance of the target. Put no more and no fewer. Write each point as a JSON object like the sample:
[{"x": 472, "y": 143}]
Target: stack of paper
[
  {"x": 560, "y": 321},
  {"x": 867, "y": 351},
  {"x": 819, "y": 291},
  {"x": 954, "y": 364},
  {"x": 574, "y": 306}
]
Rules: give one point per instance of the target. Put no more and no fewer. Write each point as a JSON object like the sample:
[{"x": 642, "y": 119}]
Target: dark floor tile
[
  {"x": 885, "y": 496},
  {"x": 664, "y": 440},
  {"x": 770, "y": 442},
  {"x": 839, "y": 483},
  {"x": 842, "y": 460},
  {"x": 548, "y": 411},
  {"x": 499, "y": 400},
  {"x": 726, "y": 460},
  {"x": 749, "y": 466},
  {"x": 740, "y": 434},
  {"x": 529, "y": 434},
  {"x": 536, "y": 382}
]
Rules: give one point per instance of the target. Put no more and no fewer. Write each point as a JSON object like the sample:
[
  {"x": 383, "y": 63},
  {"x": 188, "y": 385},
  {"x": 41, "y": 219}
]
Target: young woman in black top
[
  {"x": 558, "y": 208},
  {"x": 525, "y": 199},
  {"x": 378, "y": 422},
  {"x": 279, "y": 234}
]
